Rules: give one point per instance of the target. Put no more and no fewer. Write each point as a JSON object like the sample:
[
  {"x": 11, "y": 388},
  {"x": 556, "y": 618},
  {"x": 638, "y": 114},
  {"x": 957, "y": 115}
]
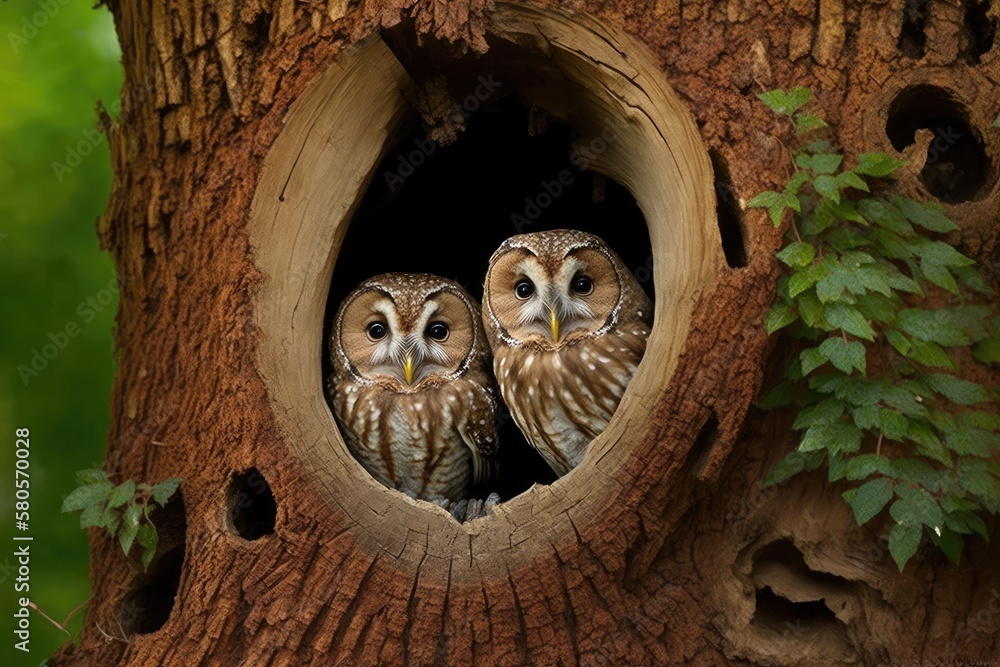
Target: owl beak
[
  {"x": 408, "y": 369},
  {"x": 554, "y": 324}
]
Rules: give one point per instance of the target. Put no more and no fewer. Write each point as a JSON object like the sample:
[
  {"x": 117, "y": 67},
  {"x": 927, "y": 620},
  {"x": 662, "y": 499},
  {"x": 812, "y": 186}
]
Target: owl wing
[{"x": 480, "y": 431}]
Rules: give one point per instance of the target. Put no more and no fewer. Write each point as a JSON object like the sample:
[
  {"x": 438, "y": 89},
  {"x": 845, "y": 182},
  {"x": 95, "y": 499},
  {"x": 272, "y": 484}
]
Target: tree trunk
[{"x": 249, "y": 135}]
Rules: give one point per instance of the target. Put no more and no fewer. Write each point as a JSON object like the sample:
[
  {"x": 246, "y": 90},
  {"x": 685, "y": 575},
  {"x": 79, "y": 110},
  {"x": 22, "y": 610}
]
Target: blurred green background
[{"x": 56, "y": 61}]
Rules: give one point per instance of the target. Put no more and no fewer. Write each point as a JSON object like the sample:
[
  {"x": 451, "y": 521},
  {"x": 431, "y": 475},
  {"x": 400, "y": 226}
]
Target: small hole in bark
[
  {"x": 506, "y": 174},
  {"x": 702, "y": 448},
  {"x": 254, "y": 509},
  {"x": 259, "y": 32},
  {"x": 148, "y": 606},
  {"x": 957, "y": 167},
  {"x": 980, "y": 31},
  {"x": 912, "y": 38},
  {"x": 728, "y": 211}
]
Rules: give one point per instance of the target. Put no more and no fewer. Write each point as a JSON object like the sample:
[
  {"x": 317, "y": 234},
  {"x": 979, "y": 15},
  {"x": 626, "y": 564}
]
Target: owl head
[
  {"x": 407, "y": 331},
  {"x": 555, "y": 287}
]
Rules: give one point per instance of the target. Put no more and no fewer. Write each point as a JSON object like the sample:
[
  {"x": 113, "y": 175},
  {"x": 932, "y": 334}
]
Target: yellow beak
[
  {"x": 408, "y": 369},
  {"x": 554, "y": 324}
]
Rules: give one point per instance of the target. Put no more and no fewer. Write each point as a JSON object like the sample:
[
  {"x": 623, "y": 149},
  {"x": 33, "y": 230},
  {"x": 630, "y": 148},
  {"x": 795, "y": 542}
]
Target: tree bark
[{"x": 661, "y": 548}]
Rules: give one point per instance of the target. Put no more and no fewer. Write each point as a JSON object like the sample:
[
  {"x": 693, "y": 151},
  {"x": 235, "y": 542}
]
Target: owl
[
  {"x": 568, "y": 325},
  {"x": 411, "y": 387}
]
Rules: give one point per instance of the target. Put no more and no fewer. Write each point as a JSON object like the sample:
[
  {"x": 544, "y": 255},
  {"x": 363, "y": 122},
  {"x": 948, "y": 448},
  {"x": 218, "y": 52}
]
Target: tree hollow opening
[
  {"x": 322, "y": 195},
  {"x": 149, "y": 603},
  {"x": 957, "y": 167}
]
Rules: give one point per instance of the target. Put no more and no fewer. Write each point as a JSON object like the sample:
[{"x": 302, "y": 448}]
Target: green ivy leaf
[
  {"x": 849, "y": 179},
  {"x": 869, "y": 499},
  {"x": 938, "y": 252},
  {"x": 827, "y": 187},
  {"x": 882, "y": 213},
  {"x": 971, "y": 441},
  {"x": 863, "y": 466},
  {"x": 82, "y": 496},
  {"x": 877, "y": 164},
  {"x": 835, "y": 438},
  {"x": 147, "y": 538},
  {"x": 949, "y": 542},
  {"x": 930, "y": 354},
  {"x": 844, "y": 355},
  {"x": 775, "y": 203},
  {"x": 827, "y": 411},
  {"x": 130, "y": 527},
  {"x": 987, "y": 350},
  {"x": 792, "y": 465},
  {"x": 898, "y": 341},
  {"x": 780, "y": 396},
  {"x": 842, "y": 316},
  {"x": 810, "y": 308},
  {"x": 913, "y": 470},
  {"x": 966, "y": 522},
  {"x": 957, "y": 390},
  {"x": 91, "y": 515},
  {"x": 786, "y": 103},
  {"x": 805, "y": 122},
  {"x": 951, "y": 327},
  {"x": 974, "y": 476},
  {"x": 928, "y": 444},
  {"x": 811, "y": 359},
  {"x": 969, "y": 277},
  {"x": 928, "y": 217},
  {"x": 111, "y": 519},
  {"x": 797, "y": 254},
  {"x": 903, "y": 543},
  {"x": 939, "y": 275},
  {"x": 121, "y": 493},
  {"x": 916, "y": 506},
  {"x": 778, "y": 317},
  {"x": 165, "y": 489},
  {"x": 796, "y": 182},
  {"x": 821, "y": 163},
  {"x": 892, "y": 424}
]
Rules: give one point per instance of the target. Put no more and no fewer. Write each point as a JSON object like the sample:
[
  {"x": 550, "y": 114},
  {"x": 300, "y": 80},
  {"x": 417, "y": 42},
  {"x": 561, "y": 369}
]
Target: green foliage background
[{"x": 49, "y": 264}]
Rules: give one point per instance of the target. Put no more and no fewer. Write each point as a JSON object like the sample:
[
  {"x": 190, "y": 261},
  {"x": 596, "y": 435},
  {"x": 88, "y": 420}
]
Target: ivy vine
[
  {"x": 881, "y": 303},
  {"x": 124, "y": 510}
]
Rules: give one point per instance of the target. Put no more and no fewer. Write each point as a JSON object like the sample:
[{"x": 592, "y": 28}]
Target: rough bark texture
[{"x": 685, "y": 559}]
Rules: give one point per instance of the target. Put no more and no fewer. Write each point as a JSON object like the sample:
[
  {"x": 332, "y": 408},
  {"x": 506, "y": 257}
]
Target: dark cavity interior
[
  {"x": 149, "y": 603},
  {"x": 957, "y": 167},
  {"x": 253, "y": 509}
]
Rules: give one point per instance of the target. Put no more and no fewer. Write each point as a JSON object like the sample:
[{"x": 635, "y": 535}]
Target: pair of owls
[{"x": 412, "y": 391}]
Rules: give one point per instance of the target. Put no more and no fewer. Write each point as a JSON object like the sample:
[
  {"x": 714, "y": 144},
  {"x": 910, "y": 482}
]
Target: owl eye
[
  {"x": 583, "y": 285},
  {"x": 524, "y": 289},
  {"x": 376, "y": 331},
  {"x": 438, "y": 331}
]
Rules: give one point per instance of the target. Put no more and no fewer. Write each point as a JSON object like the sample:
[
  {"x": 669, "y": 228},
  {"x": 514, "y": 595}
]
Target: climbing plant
[
  {"x": 124, "y": 510},
  {"x": 882, "y": 304}
]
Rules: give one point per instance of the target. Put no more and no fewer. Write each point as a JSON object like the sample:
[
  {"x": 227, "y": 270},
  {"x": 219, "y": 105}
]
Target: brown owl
[
  {"x": 568, "y": 325},
  {"x": 411, "y": 387}
]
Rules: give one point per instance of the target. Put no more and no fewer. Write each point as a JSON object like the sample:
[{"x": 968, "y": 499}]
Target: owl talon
[{"x": 479, "y": 508}]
